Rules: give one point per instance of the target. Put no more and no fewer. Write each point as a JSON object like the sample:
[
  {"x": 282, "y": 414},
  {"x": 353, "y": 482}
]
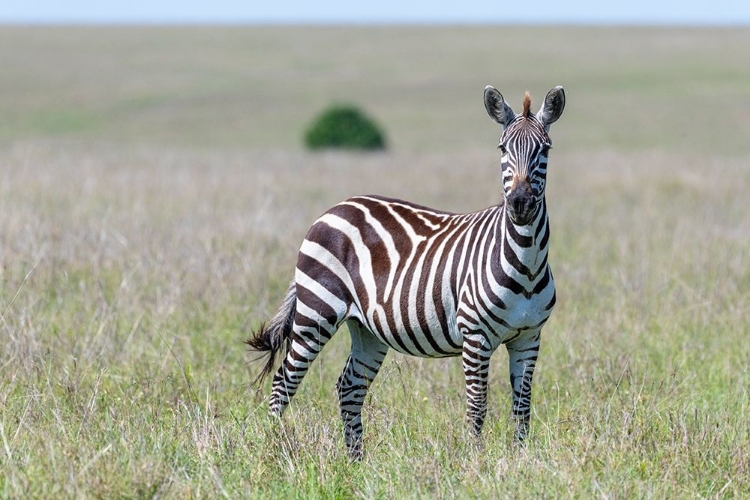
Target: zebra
[{"x": 426, "y": 283}]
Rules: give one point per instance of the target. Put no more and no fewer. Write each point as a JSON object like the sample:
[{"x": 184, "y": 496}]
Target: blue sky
[{"x": 380, "y": 11}]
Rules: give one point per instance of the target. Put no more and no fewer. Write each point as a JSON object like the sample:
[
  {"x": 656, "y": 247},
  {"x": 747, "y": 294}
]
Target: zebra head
[{"x": 525, "y": 146}]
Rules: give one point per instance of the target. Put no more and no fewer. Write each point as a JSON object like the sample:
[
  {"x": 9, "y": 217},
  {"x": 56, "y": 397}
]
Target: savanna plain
[{"x": 154, "y": 193}]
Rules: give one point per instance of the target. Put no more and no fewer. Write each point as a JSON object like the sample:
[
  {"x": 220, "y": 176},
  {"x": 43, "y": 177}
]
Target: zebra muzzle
[{"x": 521, "y": 207}]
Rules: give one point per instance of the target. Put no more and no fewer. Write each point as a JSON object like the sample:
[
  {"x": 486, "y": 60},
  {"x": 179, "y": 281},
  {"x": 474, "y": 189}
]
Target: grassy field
[{"x": 154, "y": 193}]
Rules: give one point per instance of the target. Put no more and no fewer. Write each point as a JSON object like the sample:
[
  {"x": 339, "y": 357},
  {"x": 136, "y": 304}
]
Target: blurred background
[{"x": 253, "y": 76}]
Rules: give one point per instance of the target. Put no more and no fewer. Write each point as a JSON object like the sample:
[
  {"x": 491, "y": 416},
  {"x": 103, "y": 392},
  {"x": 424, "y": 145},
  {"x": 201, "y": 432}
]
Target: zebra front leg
[
  {"x": 522, "y": 356},
  {"x": 364, "y": 362},
  {"x": 476, "y": 365},
  {"x": 307, "y": 342}
]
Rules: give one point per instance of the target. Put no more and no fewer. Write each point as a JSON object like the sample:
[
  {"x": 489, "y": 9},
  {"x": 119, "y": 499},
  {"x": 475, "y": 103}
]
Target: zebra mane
[{"x": 526, "y": 104}]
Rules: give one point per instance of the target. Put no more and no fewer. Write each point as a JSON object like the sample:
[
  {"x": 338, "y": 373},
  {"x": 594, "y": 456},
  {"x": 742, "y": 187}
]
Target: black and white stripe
[{"x": 427, "y": 283}]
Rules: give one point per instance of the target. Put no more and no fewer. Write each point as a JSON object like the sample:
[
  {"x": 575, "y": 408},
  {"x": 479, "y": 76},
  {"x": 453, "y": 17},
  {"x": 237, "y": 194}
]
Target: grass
[{"x": 137, "y": 252}]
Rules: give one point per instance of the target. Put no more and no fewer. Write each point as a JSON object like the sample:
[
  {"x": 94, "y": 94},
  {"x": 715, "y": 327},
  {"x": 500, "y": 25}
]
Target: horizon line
[{"x": 634, "y": 23}]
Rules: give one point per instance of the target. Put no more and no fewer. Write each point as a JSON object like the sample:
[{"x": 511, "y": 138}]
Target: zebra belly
[
  {"x": 420, "y": 332},
  {"x": 417, "y": 344},
  {"x": 417, "y": 333}
]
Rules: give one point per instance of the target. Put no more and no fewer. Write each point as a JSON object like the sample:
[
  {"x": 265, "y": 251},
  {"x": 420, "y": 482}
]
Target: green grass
[{"x": 150, "y": 218}]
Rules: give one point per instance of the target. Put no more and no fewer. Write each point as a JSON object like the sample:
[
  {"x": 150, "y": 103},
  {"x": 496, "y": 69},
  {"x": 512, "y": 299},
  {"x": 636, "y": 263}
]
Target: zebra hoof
[
  {"x": 274, "y": 411},
  {"x": 355, "y": 454}
]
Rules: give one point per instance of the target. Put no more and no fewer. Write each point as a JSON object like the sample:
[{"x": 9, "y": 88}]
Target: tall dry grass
[{"x": 131, "y": 277}]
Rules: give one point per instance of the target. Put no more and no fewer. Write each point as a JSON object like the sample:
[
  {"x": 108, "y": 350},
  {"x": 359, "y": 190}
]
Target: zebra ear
[
  {"x": 496, "y": 106},
  {"x": 553, "y": 107}
]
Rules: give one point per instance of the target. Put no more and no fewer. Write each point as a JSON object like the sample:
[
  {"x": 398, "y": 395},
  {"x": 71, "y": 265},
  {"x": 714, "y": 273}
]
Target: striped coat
[
  {"x": 426, "y": 283},
  {"x": 421, "y": 279}
]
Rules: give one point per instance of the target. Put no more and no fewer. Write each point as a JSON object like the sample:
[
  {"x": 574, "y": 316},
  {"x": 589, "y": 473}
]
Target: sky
[{"x": 731, "y": 12}]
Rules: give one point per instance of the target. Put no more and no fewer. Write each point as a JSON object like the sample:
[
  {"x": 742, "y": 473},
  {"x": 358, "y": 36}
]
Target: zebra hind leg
[
  {"x": 308, "y": 339},
  {"x": 364, "y": 362}
]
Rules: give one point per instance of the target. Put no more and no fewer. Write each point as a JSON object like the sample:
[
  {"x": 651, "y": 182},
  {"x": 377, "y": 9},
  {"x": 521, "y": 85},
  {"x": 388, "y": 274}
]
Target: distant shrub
[{"x": 345, "y": 127}]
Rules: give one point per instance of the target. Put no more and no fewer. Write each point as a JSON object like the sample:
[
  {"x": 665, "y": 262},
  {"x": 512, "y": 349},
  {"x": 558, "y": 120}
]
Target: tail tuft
[
  {"x": 261, "y": 340},
  {"x": 274, "y": 337}
]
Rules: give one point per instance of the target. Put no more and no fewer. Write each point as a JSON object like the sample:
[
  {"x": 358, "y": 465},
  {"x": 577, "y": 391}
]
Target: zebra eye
[
  {"x": 502, "y": 148},
  {"x": 546, "y": 148}
]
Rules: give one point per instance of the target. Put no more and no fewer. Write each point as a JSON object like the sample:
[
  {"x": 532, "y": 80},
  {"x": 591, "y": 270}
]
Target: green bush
[{"x": 345, "y": 127}]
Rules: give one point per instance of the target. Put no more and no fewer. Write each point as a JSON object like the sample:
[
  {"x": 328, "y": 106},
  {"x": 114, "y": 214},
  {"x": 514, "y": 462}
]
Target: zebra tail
[{"x": 274, "y": 337}]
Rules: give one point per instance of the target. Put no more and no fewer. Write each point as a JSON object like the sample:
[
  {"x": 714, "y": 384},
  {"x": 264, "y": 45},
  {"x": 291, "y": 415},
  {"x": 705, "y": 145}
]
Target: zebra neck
[{"x": 520, "y": 252}]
